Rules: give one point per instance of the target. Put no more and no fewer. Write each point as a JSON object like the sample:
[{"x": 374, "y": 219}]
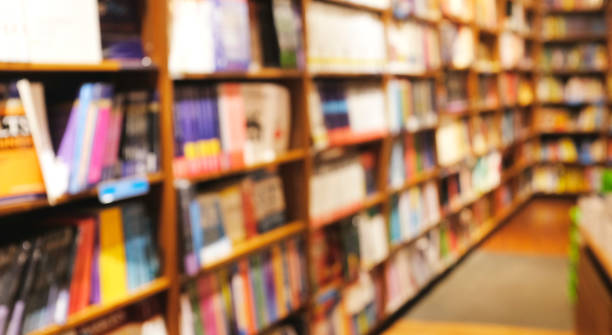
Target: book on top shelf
[
  {"x": 424, "y": 9},
  {"x": 452, "y": 143},
  {"x": 404, "y": 57},
  {"x": 575, "y": 90},
  {"x": 227, "y": 126},
  {"x": 412, "y": 104},
  {"x": 559, "y": 27},
  {"x": 457, "y": 45},
  {"x": 573, "y": 5},
  {"x": 588, "y": 118},
  {"x": 121, "y": 29},
  {"x": 239, "y": 35},
  {"x": 342, "y": 39},
  {"x": 458, "y": 9},
  {"x": 34, "y": 29}
]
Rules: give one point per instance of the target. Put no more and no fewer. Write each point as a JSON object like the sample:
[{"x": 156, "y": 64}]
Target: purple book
[
  {"x": 232, "y": 35},
  {"x": 66, "y": 147},
  {"x": 94, "y": 296},
  {"x": 270, "y": 289}
]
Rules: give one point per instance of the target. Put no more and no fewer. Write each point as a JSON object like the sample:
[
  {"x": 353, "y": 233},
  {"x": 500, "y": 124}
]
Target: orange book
[
  {"x": 277, "y": 269},
  {"x": 80, "y": 283},
  {"x": 249, "y": 301},
  {"x": 17, "y": 153}
]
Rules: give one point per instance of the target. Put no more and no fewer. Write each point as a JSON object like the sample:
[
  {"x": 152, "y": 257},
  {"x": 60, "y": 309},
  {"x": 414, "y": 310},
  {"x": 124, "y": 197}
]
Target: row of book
[
  {"x": 90, "y": 31},
  {"x": 514, "y": 126},
  {"x": 585, "y": 150},
  {"x": 517, "y": 89},
  {"x": 344, "y": 39},
  {"x": 351, "y": 310},
  {"x": 485, "y": 55},
  {"x": 94, "y": 257},
  {"x": 558, "y": 26},
  {"x": 413, "y": 48},
  {"x": 562, "y": 179},
  {"x": 412, "y": 104},
  {"x": 100, "y": 135},
  {"x": 457, "y": 45},
  {"x": 411, "y": 156},
  {"x": 587, "y": 118},
  {"x": 227, "y": 126},
  {"x": 249, "y": 296},
  {"x": 237, "y": 35},
  {"x": 452, "y": 142},
  {"x": 515, "y": 18},
  {"x": 455, "y": 94},
  {"x": 590, "y": 56},
  {"x": 413, "y": 212},
  {"x": 486, "y": 133},
  {"x": 513, "y": 51},
  {"x": 341, "y": 180},
  {"x": 215, "y": 219},
  {"x": 576, "y": 90},
  {"x": 573, "y": 4},
  {"x": 487, "y": 14},
  {"x": 488, "y": 96},
  {"x": 343, "y": 112},
  {"x": 424, "y": 9},
  {"x": 341, "y": 251}
]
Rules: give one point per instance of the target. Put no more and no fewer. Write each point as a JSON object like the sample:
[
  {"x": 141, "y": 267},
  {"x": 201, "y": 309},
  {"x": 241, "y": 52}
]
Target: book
[
  {"x": 246, "y": 298},
  {"x": 413, "y": 60},
  {"x": 459, "y": 9},
  {"x": 412, "y": 105},
  {"x": 455, "y": 94},
  {"x": 574, "y": 90},
  {"x": 338, "y": 36},
  {"x": 426, "y": 9},
  {"x": 218, "y": 218},
  {"x": 452, "y": 144},
  {"x": 120, "y": 30},
  {"x": 561, "y": 26},
  {"x": 457, "y": 45},
  {"x": 587, "y": 56}
]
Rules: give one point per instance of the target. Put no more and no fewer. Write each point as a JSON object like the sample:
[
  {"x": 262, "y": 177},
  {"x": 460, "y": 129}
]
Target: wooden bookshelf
[
  {"x": 329, "y": 218},
  {"x": 94, "y": 312},
  {"x": 262, "y": 74},
  {"x": 104, "y": 66},
  {"x": 600, "y": 255}
]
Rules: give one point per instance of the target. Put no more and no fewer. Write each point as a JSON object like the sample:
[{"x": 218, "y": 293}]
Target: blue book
[
  {"x": 130, "y": 233},
  {"x": 231, "y": 32},
  {"x": 270, "y": 292},
  {"x": 179, "y": 139},
  {"x": 395, "y": 230},
  {"x": 196, "y": 229},
  {"x": 85, "y": 100}
]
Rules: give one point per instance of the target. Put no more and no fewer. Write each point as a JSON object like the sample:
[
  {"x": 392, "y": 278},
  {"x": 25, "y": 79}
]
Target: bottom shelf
[{"x": 97, "y": 311}]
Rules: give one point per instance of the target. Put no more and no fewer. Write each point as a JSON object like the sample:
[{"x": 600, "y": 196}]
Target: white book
[
  {"x": 13, "y": 38},
  {"x": 33, "y": 97},
  {"x": 58, "y": 35},
  {"x": 154, "y": 326},
  {"x": 186, "y": 316}
]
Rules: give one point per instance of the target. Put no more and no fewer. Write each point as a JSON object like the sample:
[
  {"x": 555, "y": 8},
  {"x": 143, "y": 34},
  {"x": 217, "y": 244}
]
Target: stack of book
[
  {"x": 424, "y": 9},
  {"x": 558, "y": 179},
  {"x": 95, "y": 257},
  {"x": 457, "y": 45},
  {"x": 251, "y": 295},
  {"x": 486, "y": 133},
  {"x": 342, "y": 39},
  {"x": 341, "y": 182},
  {"x": 566, "y": 149},
  {"x": 487, "y": 14},
  {"x": 456, "y": 99},
  {"x": 452, "y": 142},
  {"x": 576, "y": 90},
  {"x": 100, "y": 135},
  {"x": 413, "y": 48},
  {"x": 411, "y": 268},
  {"x": 214, "y": 220},
  {"x": 411, "y": 157},
  {"x": 462, "y": 10},
  {"x": 488, "y": 96},
  {"x": 228, "y": 126},
  {"x": 559, "y": 27},
  {"x": 573, "y": 5},
  {"x": 588, "y": 118},
  {"x": 343, "y": 113},
  {"x": 413, "y": 212},
  {"x": 353, "y": 310},
  {"x": 591, "y": 56},
  {"x": 515, "y": 19},
  {"x": 236, "y": 35},
  {"x": 412, "y": 104}
]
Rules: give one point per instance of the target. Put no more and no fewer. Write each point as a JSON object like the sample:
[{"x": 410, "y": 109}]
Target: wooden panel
[
  {"x": 426, "y": 328},
  {"x": 594, "y": 306}
]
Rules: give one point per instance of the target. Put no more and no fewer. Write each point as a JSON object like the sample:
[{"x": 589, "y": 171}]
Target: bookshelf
[{"x": 298, "y": 164}]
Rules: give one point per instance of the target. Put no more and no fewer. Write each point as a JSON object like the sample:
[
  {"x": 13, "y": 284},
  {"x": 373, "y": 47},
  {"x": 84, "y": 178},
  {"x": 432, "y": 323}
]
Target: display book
[
  {"x": 240, "y": 36},
  {"x": 92, "y": 31},
  {"x": 229, "y": 126},
  {"x": 71, "y": 146},
  {"x": 97, "y": 256}
]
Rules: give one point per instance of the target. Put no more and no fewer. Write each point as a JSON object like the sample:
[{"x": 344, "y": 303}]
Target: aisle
[{"x": 516, "y": 283}]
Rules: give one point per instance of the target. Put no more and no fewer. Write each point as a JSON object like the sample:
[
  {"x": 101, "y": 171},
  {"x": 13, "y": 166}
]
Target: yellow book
[
  {"x": 112, "y": 261},
  {"x": 277, "y": 270}
]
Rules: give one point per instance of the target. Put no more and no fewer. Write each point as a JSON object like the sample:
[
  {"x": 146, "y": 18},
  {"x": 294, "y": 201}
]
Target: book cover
[
  {"x": 80, "y": 284},
  {"x": 112, "y": 259},
  {"x": 99, "y": 140}
]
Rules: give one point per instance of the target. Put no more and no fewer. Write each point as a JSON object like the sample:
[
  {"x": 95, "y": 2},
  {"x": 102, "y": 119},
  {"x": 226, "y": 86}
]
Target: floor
[{"x": 515, "y": 283}]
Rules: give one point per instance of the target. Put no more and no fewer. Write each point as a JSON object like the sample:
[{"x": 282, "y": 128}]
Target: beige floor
[{"x": 541, "y": 227}]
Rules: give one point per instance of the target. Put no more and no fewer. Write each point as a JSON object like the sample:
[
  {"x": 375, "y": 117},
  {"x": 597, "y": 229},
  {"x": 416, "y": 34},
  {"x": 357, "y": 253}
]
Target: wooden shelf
[
  {"x": 592, "y": 37},
  {"x": 265, "y": 73},
  {"x": 329, "y": 218},
  {"x": 94, "y": 312},
  {"x": 416, "y": 180},
  {"x": 514, "y": 171},
  {"x": 572, "y": 72},
  {"x": 25, "y": 206},
  {"x": 600, "y": 254},
  {"x": 423, "y": 75},
  {"x": 570, "y": 163},
  {"x": 355, "y": 5},
  {"x": 567, "y": 11},
  {"x": 252, "y": 245},
  {"x": 570, "y": 132},
  {"x": 345, "y": 74},
  {"x": 423, "y": 20},
  {"x": 288, "y": 157},
  {"x": 104, "y": 66}
]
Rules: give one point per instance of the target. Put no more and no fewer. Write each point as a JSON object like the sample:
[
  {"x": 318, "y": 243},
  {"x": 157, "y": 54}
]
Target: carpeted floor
[{"x": 502, "y": 288}]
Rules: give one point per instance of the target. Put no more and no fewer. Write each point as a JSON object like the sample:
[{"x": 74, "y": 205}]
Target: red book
[
  {"x": 80, "y": 284},
  {"x": 248, "y": 207}
]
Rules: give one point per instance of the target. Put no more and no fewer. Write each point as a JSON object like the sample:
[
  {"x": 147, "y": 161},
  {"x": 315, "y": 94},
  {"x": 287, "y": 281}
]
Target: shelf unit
[{"x": 297, "y": 162}]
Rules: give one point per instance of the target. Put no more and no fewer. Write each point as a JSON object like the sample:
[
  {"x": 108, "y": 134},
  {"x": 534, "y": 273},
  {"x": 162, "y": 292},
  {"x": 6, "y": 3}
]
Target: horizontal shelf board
[
  {"x": 419, "y": 19},
  {"x": 514, "y": 171},
  {"x": 94, "y": 312},
  {"x": 571, "y": 163},
  {"x": 345, "y": 74},
  {"x": 356, "y": 5},
  {"x": 370, "y": 201},
  {"x": 104, "y": 66},
  {"x": 25, "y": 206},
  {"x": 565, "y": 11},
  {"x": 576, "y": 38},
  {"x": 571, "y": 132},
  {"x": 265, "y": 73},
  {"x": 418, "y": 179},
  {"x": 422, "y": 75},
  {"x": 288, "y": 157},
  {"x": 252, "y": 245},
  {"x": 570, "y": 72}
]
